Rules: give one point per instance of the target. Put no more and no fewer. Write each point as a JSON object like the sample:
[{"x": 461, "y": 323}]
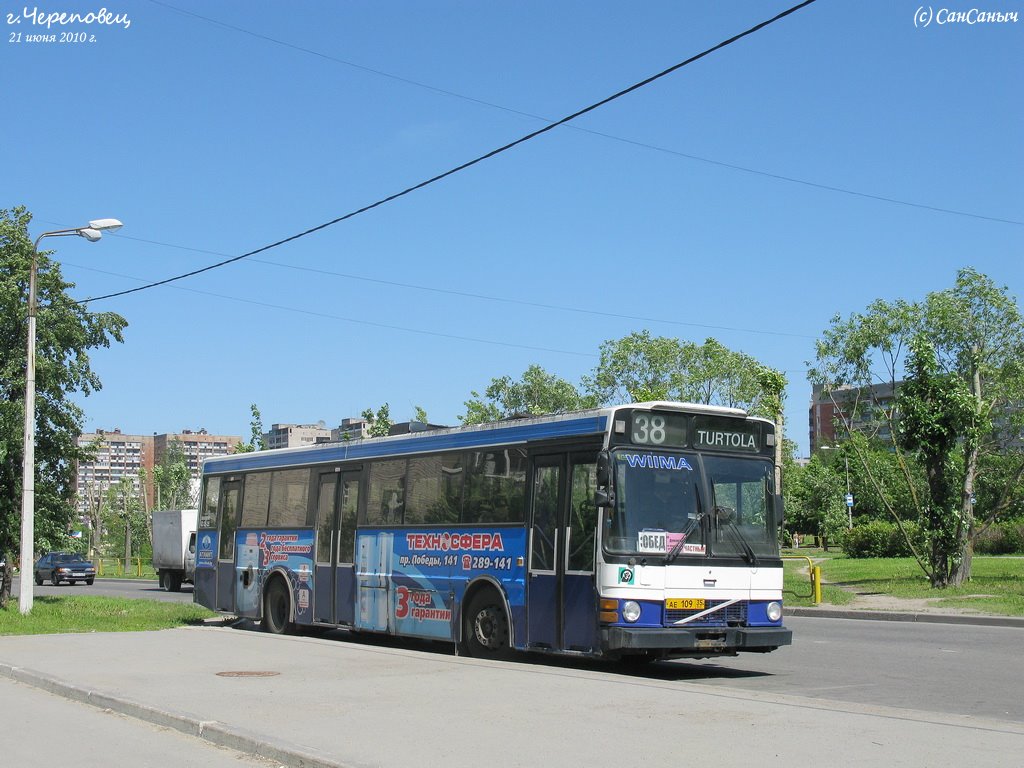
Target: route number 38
[{"x": 648, "y": 429}]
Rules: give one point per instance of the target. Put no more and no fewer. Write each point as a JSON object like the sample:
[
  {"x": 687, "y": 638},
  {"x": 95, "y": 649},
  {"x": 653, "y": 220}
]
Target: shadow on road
[{"x": 674, "y": 670}]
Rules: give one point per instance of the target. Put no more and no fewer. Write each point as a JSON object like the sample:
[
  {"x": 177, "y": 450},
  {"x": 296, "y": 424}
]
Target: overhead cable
[{"x": 464, "y": 166}]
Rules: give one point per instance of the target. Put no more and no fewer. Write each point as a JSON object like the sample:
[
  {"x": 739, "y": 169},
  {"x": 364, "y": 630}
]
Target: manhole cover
[{"x": 248, "y": 673}]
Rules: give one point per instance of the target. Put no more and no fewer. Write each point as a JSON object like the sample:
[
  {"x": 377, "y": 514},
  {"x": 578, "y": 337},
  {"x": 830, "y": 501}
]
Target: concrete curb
[
  {"x": 215, "y": 732},
  {"x": 922, "y": 618}
]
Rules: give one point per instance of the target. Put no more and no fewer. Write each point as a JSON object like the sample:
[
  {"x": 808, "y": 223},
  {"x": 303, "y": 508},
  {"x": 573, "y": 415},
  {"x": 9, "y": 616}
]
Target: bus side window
[
  {"x": 229, "y": 520},
  {"x": 208, "y": 510},
  {"x": 349, "y": 511},
  {"x": 387, "y": 493},
  {"x": 583, "y": 517},
  {"x": 545, "y": 517}
]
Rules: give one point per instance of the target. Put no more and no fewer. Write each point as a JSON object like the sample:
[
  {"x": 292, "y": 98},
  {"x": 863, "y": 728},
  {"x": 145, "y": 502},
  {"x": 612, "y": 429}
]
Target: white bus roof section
[{"x": 511, "y": 431}]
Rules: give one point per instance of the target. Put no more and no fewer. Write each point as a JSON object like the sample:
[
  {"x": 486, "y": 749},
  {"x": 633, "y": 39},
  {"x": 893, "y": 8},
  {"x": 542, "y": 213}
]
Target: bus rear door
[{"x": 337, "y": 507}]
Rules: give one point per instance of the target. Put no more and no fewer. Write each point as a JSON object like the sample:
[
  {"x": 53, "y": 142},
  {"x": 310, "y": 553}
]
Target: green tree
[
  {"x": 172, "y": 481},
  {"x": 936, "y": 414},
  {"x": 536, "y": 392},
  {"x": 256, "y": 442},
  {"x": 955, "y": 363},
  {"x": 814, "y": 499},
  {"x": 67, "y": 331},
  {"x": 380, "y": 422},
  {"x": 125, "y": 529},
  {"x": 641, "y": 367}
]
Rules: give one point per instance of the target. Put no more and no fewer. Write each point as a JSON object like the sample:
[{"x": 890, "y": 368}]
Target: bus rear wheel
[
  {"x": 276, "y": 607},
  {"x": 485, "y": 627}
]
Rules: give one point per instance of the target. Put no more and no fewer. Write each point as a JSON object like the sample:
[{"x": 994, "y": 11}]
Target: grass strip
[
  {"x": 53, "y": 615},
  {"x": 996, "y": 585}
]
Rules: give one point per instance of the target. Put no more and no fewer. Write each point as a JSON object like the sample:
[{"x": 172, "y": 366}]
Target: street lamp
[{"x": 93, "y": 232}]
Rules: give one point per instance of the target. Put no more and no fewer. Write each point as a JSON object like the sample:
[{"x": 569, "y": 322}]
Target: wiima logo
[{"x": 654, "y": 461}]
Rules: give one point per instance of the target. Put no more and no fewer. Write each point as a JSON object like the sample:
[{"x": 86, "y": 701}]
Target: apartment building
[
  {"x": 350, "y": 429},
  {"x": 197, "y": 446},
  {"x": 862, "y": 407},
  {"x": 296, "y": 435},
  {"x": 119, "y": 455}
]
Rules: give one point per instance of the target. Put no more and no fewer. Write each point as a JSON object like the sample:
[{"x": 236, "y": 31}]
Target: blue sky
[{"x": 212, "y": 139}]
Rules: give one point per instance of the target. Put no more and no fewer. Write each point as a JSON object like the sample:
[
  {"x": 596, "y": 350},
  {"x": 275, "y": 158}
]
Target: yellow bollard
[{"x": 816, "y": 580}]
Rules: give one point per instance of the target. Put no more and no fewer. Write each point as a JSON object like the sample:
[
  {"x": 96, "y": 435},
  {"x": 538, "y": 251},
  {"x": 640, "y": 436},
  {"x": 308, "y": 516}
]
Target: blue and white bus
[{"x": 634, "y": 532}]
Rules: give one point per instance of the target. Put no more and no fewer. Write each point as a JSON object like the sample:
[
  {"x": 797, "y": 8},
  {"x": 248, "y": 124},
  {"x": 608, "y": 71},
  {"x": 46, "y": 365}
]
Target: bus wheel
[
  {"x": 165, "y": 580},
  {"x": 275, "y": 607},
  {"x": 486, "y": 627}
]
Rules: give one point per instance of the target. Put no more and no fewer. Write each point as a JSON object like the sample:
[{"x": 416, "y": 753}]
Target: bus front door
[
  {"x": 230, "y": 507},
  {"x": 562, "y": 602}
]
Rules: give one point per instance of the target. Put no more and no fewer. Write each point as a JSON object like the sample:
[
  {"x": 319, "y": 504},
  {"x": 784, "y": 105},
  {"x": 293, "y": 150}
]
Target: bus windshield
[{"x": 685, "y": 505}]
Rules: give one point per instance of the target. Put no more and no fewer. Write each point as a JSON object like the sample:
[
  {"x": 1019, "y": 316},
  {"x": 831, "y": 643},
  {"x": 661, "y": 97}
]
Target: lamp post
[{"x": 93, "y": 232}]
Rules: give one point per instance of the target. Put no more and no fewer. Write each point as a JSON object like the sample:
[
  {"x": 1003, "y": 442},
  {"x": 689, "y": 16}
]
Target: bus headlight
[
  {"x": 774, "y": 611},
  {"x": 631, "y": 611}
]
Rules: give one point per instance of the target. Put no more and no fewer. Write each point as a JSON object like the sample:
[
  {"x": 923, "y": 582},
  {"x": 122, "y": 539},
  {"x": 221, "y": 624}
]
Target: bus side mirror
[
  {"x": 604, "y": 496},
  {"x": 780, "y": 512}
]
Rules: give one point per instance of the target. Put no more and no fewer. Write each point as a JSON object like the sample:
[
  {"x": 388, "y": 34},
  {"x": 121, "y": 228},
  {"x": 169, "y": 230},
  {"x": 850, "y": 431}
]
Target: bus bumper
[{"x": 704, "y": 639}]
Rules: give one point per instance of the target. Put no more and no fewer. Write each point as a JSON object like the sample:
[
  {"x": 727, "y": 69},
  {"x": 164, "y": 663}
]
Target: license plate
[{"x": 685, "y": 604}]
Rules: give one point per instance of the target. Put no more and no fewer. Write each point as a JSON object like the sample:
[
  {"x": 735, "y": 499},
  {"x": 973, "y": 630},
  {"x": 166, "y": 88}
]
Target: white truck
[{"x": 174, "y": 546}]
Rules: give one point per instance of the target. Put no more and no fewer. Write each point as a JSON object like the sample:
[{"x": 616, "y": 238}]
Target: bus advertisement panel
[{"x": 409, "y": 581}]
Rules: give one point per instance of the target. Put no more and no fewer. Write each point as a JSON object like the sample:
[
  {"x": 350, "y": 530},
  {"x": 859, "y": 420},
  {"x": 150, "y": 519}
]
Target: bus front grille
[{"x": 733, "y": 614}]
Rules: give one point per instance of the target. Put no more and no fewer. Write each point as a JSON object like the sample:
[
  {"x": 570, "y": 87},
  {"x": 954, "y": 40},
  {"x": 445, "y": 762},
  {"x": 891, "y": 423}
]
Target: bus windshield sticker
[
  {"x": 652, "y": 541},
  {"x": 660, "y": 542}
]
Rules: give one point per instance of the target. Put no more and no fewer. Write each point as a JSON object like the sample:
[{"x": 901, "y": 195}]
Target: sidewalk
[
  {"x": 932, "y": 616},
  {"x": 324, "y": 703}
]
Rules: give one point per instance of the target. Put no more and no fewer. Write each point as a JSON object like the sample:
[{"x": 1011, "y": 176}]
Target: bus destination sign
[{"x": 726, "y": 435}]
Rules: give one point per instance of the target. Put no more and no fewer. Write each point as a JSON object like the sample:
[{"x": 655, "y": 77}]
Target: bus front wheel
[
  {"x": 275, "y": 607},
  {"x": 485, "y": 628}
]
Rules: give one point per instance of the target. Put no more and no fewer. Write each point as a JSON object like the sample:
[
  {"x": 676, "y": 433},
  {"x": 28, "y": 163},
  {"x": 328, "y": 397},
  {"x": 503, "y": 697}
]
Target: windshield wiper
[
  {"x": 748, "y": 551},
  {"x": 673, "y": 553}
]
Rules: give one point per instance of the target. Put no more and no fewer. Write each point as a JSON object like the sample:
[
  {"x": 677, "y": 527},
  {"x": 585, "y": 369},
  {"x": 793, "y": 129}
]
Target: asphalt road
[
  {"x": 128, "y": 588},
  {"x": 944, "y": 668}
]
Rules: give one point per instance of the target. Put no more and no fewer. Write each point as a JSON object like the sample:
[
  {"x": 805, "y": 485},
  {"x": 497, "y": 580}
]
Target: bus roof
[{"x": 515, "y": 431}]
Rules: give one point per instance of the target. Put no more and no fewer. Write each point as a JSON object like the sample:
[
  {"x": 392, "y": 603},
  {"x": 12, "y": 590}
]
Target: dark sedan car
[{"x": 64, "y": 566}]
